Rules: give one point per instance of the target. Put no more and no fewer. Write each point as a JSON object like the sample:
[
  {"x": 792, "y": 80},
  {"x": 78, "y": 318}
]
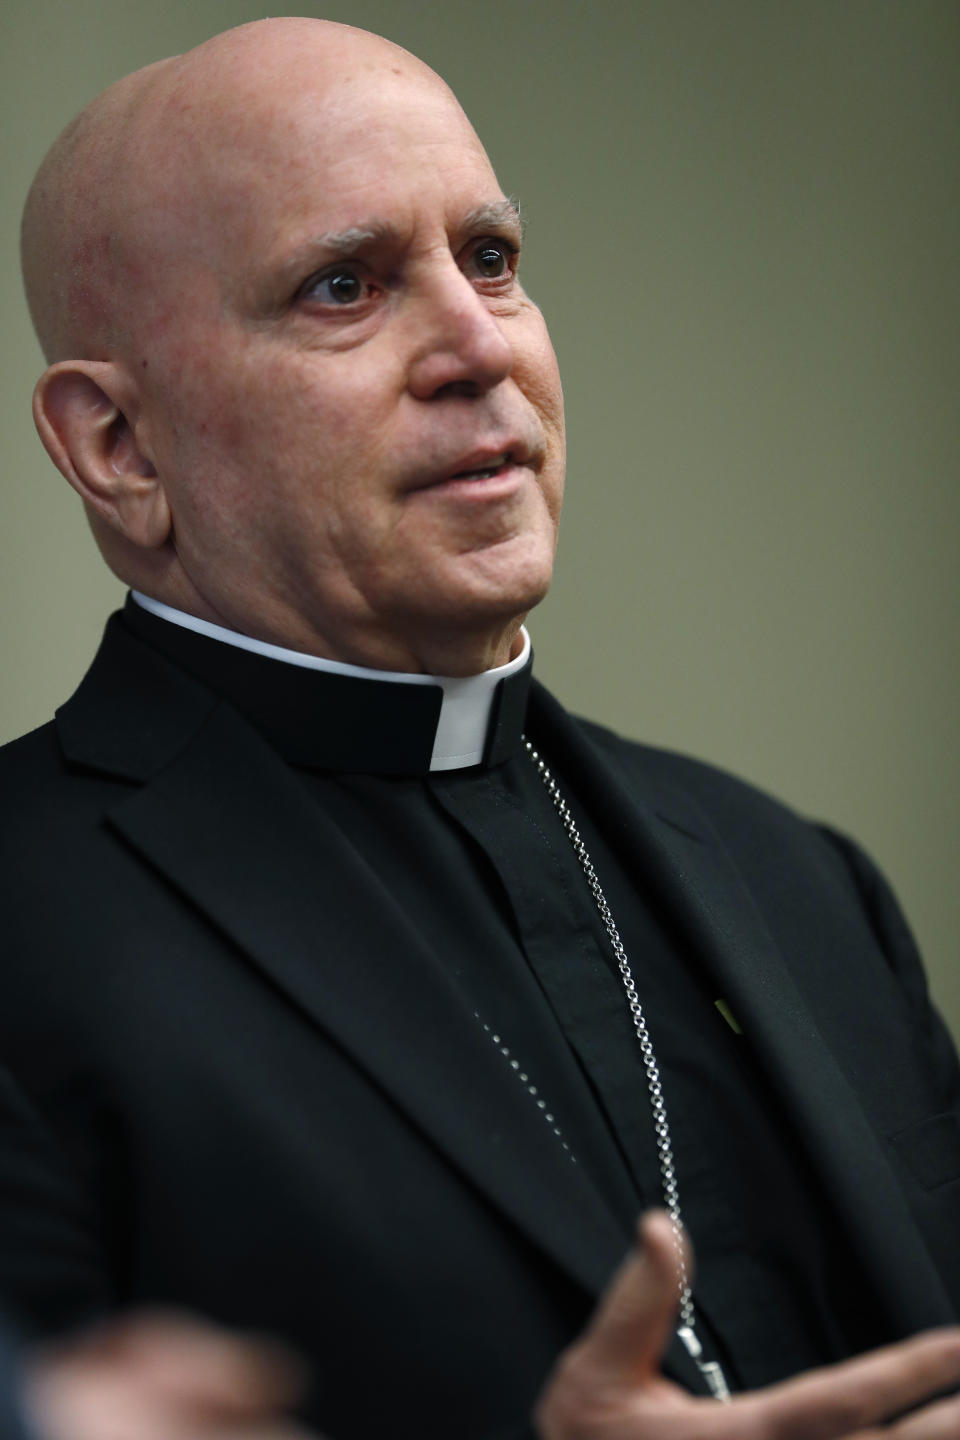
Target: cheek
[
  {"x": 282, "y": 451},
  {"x": 537, "y": 374},
  {"x": 222, "y": 421},
  {"x": 291, "y": 406},
  {"x": 549, "y": 392}
]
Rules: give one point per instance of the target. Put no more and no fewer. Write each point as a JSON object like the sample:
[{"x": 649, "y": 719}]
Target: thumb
[{"x": 632, "y": 1325}]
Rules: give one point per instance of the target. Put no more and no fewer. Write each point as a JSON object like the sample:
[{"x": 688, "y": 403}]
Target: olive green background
[{"x": 745, "y": 232}]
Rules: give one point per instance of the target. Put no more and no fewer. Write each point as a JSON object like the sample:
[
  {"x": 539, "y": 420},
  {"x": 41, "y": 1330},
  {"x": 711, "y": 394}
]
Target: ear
[{"x": 89, "y": 437}]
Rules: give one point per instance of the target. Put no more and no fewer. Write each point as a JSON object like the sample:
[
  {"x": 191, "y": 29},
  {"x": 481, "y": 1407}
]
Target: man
[{"x": 356, "y": 1022}]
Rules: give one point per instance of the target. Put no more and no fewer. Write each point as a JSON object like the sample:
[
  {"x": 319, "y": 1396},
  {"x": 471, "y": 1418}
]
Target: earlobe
[{"x": 88, "y": 436}]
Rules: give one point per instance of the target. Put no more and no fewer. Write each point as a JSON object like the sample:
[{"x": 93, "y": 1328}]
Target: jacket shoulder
[
  {"x": 801, "y": 863},
  {"x": 28, "y": 765},
  {"x": 720, "y": 792},
  {"x": 49, "y": 807},
  {"x": 774, "y": 844}
]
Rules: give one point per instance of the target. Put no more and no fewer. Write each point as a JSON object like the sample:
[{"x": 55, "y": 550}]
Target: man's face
[{"x": 354, "y": 408}]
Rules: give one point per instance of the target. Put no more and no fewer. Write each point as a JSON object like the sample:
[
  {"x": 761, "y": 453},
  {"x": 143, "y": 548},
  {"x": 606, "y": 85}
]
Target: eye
[
  {"x": 338, "y": 287},
  {"x": 491, "y": 260},
  {"x": 494, "y": 259}
]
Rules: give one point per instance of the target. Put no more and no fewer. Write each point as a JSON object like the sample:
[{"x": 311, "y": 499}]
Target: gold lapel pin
[{"x": 729, "y": 1016}]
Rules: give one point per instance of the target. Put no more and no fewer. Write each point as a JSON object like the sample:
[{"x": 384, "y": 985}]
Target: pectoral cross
[{"x": 711, "y": 1370}]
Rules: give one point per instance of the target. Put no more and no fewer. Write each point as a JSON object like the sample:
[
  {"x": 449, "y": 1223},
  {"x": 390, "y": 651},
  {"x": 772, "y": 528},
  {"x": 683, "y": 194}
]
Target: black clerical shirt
[{"x": 483, "y": 870}]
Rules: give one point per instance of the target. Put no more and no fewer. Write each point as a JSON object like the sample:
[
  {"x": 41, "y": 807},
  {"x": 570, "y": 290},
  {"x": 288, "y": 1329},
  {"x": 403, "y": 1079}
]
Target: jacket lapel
[
  {"x": 668, "y": 838},
  {"x": 225, "y": 819}
]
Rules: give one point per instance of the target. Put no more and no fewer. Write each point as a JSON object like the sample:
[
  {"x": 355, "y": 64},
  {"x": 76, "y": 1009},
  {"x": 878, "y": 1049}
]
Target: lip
[
  {"x": 477, "y": 489},
  {"x": 485, "y": 469}
]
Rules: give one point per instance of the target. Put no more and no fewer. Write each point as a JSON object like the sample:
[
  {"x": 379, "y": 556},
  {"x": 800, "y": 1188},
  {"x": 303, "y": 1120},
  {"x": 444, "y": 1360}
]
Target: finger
[
  {"x": 183, "y": 1360},
  {"x": 940, "y": 1421},
  {"x": 849, "y": 1398},
  {"x": 632, "y": 1325}
]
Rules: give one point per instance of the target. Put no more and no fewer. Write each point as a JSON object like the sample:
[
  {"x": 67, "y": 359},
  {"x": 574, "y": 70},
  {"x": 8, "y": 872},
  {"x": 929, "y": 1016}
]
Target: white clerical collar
[{"x": 461, "y": 734}]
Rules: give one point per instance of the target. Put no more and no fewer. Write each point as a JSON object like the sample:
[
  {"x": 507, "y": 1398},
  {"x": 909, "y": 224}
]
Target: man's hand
[
  {"x": 608, "y": 1384},
  {"x": 161, "y": 1378}
]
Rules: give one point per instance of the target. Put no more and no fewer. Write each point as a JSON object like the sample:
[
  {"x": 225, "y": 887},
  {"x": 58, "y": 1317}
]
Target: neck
[{"x": 439, "y": 648}]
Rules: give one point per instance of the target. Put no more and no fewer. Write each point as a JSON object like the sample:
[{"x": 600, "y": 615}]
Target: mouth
[
  {"x": 481, "y": 472},
  {"x": 494, "y": 466}
]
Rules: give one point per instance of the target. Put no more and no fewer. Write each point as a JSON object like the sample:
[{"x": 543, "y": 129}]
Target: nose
[{"x": 459, "y": 346}]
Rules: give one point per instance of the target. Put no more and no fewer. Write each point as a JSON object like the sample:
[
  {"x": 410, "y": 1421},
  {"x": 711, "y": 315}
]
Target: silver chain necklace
[{"x": 687, "y": 1328}]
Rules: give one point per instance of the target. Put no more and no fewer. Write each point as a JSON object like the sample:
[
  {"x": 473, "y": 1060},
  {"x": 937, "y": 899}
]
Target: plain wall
[{"x": 745, "y": 232}]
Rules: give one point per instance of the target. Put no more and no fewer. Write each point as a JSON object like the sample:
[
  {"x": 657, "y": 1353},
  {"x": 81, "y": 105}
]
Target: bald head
[
  {"x": 73, "y": 231},
  {"x": 276, "y": 278},
  {"x": 125, "y": 184}
]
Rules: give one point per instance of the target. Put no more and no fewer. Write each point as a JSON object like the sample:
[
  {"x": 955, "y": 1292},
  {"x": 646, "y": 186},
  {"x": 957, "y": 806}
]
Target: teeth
[{"x": 498, "y": 463}]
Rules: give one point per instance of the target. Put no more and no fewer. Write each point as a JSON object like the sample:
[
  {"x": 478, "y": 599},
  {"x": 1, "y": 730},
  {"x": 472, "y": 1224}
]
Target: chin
[
  {"x": 492, "y": 603},
  {"x": 510, "y": 577}
]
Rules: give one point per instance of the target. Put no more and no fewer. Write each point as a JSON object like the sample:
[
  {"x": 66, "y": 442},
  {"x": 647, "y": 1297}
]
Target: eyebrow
[
  {"x": 347, "y": 242},
  {"x": 503, "y": 214},
  {"x": 498, "y": 215}
]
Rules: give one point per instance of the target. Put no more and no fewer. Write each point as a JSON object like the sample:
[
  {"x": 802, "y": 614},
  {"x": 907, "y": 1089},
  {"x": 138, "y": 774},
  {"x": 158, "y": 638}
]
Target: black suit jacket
[
  {"x": 13, "y": 1422},
  {"x": 281, "y": 1113}
]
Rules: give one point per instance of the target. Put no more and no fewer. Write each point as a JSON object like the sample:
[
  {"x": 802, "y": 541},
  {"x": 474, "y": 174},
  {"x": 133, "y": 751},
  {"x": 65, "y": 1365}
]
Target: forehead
[
  {"x": 249, "y": 182},
  {"x": 327, "y": 159}
]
